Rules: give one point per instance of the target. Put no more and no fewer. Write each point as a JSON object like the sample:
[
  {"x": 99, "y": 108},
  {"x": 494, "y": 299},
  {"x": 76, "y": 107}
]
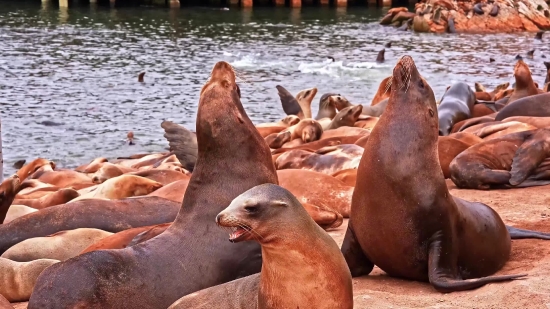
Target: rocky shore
[{"x": 440, "y": 16}]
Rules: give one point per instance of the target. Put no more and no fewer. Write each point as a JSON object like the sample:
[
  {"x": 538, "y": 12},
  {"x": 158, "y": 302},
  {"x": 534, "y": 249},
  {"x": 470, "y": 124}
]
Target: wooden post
[
  {"x": 247, "y": 3},
  {"x": 295, "y": 3},
  {"x": 1, "y": 156},
  {"x": 63, "y": 3},
  {"x": 341, "y": 2},
  {"x": 279, "y": 2}
]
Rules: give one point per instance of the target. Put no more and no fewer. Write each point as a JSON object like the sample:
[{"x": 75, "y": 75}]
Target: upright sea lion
[
  {"x": 17, "y": 279},
  {"x": 304, "y": 98},
  {"x": 121, "y": 187},
  {"x": 173, "y": 191},
  {"x": 418, "y": 231},
  {"x": 288, "y": 263},
  {"x": 8, "y": 190},
  {"x": 328, "y": 104},
  {"x": 17, "y": 211},
  {"x": 59, "y": 246},
  {"x": 192, "y": 254},
  {"x": 534, "y": 106},
  {"x": 345, "y": 118},
  {"x": 456, "y": 105},
  {"x": 140, "y": 77},
  {"x": 32, "y": 167},
  {"x": 182, "y": 142},
  {"x": 524, "y": 82},
  {"x": 110, "y": 216},
  {"x": 380, "y": 57},
  {"x": 539, "y": 34},
  {"x": 130, "y": 138},
  {"x": 119, "y": 240},
  {"x": 511, "y": 160},
  {"x": 289, "y": 102}
]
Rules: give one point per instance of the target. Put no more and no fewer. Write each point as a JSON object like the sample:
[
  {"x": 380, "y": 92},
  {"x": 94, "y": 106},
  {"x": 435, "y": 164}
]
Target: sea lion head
[
  {"x": 522, "y": 74},
  {"x": 311, "y": 131},
  {"x": 502, "y": 87},
  {"x": 306, "y": 94},
  {"x": 349, "y": 115},
  {"x": 257, "y": 212},
  {"x": 410, "y": 87},
  {"x": 34, "y": 166},
  {"x": 338, "y": 101},
  {"x": 8, "y": 190}
]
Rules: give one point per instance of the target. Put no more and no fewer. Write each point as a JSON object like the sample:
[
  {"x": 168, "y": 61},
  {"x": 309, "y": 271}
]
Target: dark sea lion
[
  {"x": 111, "y": 216},
  {"x": 524, "y": 82},
  {"x": 547, "y": 79},
  {"x": 192, "y": 254},
  {"x": 531, "y": 53},
  {"x": 478, "y": 8},
  {"x": 380, "y": 57},
  {"x": 8, "y": 191},
  {"x": 141, "y": 77},
  {"x": 509, "y": 161},
  {"x": 289, "y": 102},
  {"x": 182, "y": 142},
  {"x": 535, "y": 106},
  {"x": 451, "y": 25},
  {"x": 539, "y": 34},
  {"x": 387, "y": 45},
  {"x": 494, "y": 10},
  {"x": 346, "y": 117},
  {"x": 288, "y": 263},
  {"x": 419, "y": 231},
  {"x": 456, "y": 105}
]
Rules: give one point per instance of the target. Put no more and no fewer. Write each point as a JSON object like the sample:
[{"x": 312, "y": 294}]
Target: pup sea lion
[
  {"x": 8, "y": 190},
  {"x": 289, "y": 265},
  {"x": 534, "y": 106},
  {"x": 513, "y": 160},
  {"x": 419, "y": 231},
  {"x": 309, "y": 130},
  {"x": 161, "y": 176},
  {"x": 455, "y": 106},
  {"x": 232, "y": 158},
  {"x": 524, "y": 86},
  {"x": 182, "y": 142},
  {"x": 17, "y": 279},
  {"x": 110, "y": 216},
  {"x": 59, "y": 246}
]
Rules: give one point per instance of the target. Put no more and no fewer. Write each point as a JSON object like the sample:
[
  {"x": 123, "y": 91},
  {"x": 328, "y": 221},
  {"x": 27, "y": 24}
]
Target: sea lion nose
[{"x": 218, "y": 218}]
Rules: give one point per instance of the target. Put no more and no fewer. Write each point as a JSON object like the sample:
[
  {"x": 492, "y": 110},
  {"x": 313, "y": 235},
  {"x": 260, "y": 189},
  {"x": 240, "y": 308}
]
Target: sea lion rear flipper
[
  {"x": 516, "y": 233},
  {"x": 440, "y": 263},
  {"x": 182, "y": 142},
  {"x": 357, "y": 261},
  {"x": 527, "y": 158},
  {"x": 289, "y": 102}
]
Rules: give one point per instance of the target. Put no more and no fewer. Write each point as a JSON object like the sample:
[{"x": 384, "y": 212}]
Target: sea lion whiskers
[{"x": 388, "y": 84}]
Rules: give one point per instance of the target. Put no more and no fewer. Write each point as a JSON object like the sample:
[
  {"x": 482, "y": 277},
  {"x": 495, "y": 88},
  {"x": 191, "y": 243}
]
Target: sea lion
[
  {"x": 4, "y": 303},
  {"x": 494, "y": 10},
  {"x": 62, "y": 179},
  {"x": 288, "y": 264},
  {"x": 141, "y": 77},
  {"x": 59, "y": 246},
  {"x": 17, "y": 279},
  {"x": 182, "y": 142},
  {"x": 111, "y": 216},
  {"x": 173, "y": 191},
  {"x": 436, "y": 18},
  {"x": 161, "y": 176},
  {"x": 130, "y": 138},
  {"x": 524, "y": 82},
  {"x": 304, "y": 98},
  {"x": 121, "y": 187},
  {"x": 344, "y": 131},
  {"x": 93, "y": 166},
  {"x": 345, "y": 118},
  {"x": 232, "y": 158},
  {"x": 326, "y": 160},
  {"x": 152, "y": 160},
  {"x": 17, "y": 211},
  {"x": 464, "y": 124},
  {"x": 530, "y": 54},
  {"x": 149, "y": 234},
  {"x": 380, "y": 57},
  {"x": 110, "y": 170},
  {"x": 479, "y": 87},
  {"x": 369, "y": 123},
  {"x": 348, "y": 176},
  {"x": 32, "y": 167},
  {"x": 448, "y": 148},
  {"x": 387, "y": 45},
  {"x": 478, "y": 8},
  {"x": 382, "y": 92},
  {"x": 8, "y": 190},
  {"x": 317, "y": 189},
  {"x": 451, "y": 25},
  {"x": 534, "y": 106},
  {"x": 456, "y": 105},
  {"x": 309, "y": 130},
  {"x": 55, "y": 198},
  {"x": 434, "y": 237},
  {"x": 500, "y": 129},
  {"x": 313, "y": 146},
  {"x": 511, "y": 160},
  {"x": 328, "y": 105},
  {"x": 289, "y": 102},
  {"x": 119, "y": 240}
]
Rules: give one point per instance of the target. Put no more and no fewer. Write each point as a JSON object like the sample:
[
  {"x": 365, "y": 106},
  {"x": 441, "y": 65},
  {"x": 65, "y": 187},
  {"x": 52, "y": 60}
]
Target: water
[{"x": 79, "y": 67}]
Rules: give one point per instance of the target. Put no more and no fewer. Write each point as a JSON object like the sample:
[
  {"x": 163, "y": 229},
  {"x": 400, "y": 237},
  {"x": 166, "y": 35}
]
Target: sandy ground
[{"x": 524, "y": 208}]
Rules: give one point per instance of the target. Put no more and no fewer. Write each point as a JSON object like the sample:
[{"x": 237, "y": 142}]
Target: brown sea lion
[
  {"x": 535, "y": 106},
  {"x": 121, "y": 187},
  {"x": 173, "y": 191},
  {"x": 232, "y": 158},
  {"x": 539, "y": 122},
  {"x": 182, "y": 142},
  {"x": 464, "y": 124},
  {"x": 418, "y": 231},
  {"x": 91, "y": 167},
  {"x": 59, "y": 246},
  {"x": 110, "y": 216},
  {"x": 266, "y": 131},
  {"x": 108, "y": 171},
  {"x": 54, "y": 198},
  {"x": 34, "y": 193},
  {"x": 313, "y": 146},
  {"x": 317, "y": 189},
  {"x": 304, "y": 98},
  {"x": 62, "y": 179},
  {"x": 344, "y": 131},
  {"x": 32, "y": 167},
  {"x": 286, "y": 122},
  {"x": 154, "y": 159},
  {"x": 499, "y": 88},
  {"x": 348, "y": 176},
  {"x": 448, "y": 148},
  {"x": 506, "y": 93},
  {"x": 367, "y": 123},
  {"x": 328, "y": 105},
  {"x": 345, "y": 118},
  {"x": 380, "y": 56},
  {"x": 524, "y": 83},
  {"x": 150, "y": 233},
  {"x": 8, "y": 190},
  {"x": 483, "y": 96},
  {"x": 481, "y": 110},
  {"x": 326, "y": 160},
  {"x": 288, "y": 264},
  {"x": 503, "y": 128},
  {"x": 383, "y": 91},
  {"x": 509, "y": 161},
  {"x": 456, "y": 105},
  {"x": 17, "y": 211},
  {"x": 308, "y": 130},
  {"x": 17, "y": 279}
]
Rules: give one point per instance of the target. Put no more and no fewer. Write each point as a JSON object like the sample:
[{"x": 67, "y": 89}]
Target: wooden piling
[
  {"x": 63, "y": 3},
  {"x": 247, "y": 3},
  {"x": 295, "y": 3}
]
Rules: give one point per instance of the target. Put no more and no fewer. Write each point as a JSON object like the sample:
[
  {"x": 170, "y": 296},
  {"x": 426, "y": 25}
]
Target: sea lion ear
[{"x": 279, "y": 203}]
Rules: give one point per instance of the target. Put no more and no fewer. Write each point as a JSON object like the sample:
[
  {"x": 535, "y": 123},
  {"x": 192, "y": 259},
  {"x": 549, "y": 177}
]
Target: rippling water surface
[{"x": 79, "y": 67}]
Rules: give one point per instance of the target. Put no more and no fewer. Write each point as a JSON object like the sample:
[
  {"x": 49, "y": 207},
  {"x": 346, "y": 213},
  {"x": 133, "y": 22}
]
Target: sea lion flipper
[
  {"x": 289, "y": 102},
  {"x": 279, "y": 140},
  {"x": 527, "y": 158},
  {"x": 357, "y": 261},
  {"x": 182, "y": 142},
  {"x": 438, "y": 268},
  {"x": 516, "y": 233}
]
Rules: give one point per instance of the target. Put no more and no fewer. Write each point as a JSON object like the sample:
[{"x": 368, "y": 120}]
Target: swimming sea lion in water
[
  {"x": 59, "y": 246},
  {"x": 534, "y": 106},
  {"x": 419, "y": 231},
  {"x": 111, "y": 216},
  {"x": 8, "y": 191},
  {"x": 380, "y": 57},
  {"x": 345, "y": 118},
  {"x": 130, "y": 138},
  {"x": 288, "y": 265},
  {"x": 509, "y": 161},
  {"x": 182, "y": 142},
  {"x": 17, "y": 279},
  {"x": 141, "y": 77},
  {"x": 232, "y": 158},
  {"x": 524, "y": 82},
  {"x": 456, "y": 105},
  {"x": 62, "y": 179},
  {"x": 539, "y": 34}
]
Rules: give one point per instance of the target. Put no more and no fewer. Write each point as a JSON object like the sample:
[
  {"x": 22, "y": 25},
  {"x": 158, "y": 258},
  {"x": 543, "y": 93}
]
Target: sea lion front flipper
[
  {"x": 182, "y": 142},
  {"x": 516, "y": 233},
  {"x": 289, "y": 102},
  {"x": 357, "y": 261},
  {"x": 277, "y": 140},
  {"x": 527, "y": 158},
  {"x": 441, "y": 263}
]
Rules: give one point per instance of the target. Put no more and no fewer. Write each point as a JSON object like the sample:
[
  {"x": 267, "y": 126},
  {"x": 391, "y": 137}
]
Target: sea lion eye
[
  {"x": 307, "y": 93},
  {"x": 238, "y": 91},
  {"x": 421, "y": 84},
  {"x": 251, "y": 209}
]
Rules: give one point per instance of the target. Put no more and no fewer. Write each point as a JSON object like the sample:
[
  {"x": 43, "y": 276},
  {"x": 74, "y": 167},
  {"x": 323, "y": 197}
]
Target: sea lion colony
[{"x": 112, "y": 234}]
